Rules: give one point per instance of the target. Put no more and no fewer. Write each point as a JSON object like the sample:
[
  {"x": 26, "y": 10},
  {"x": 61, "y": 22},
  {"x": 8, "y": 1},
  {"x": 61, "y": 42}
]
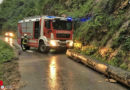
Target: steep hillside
[{"x": 106, "y": 36}]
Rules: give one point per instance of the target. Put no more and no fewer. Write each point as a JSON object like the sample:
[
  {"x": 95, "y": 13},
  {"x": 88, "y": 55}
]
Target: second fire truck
[{"x": 46, "y": 32}]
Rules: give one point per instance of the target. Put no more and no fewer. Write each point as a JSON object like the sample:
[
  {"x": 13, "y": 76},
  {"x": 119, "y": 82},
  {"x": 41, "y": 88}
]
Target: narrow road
[{"x": 58, "y": 72}]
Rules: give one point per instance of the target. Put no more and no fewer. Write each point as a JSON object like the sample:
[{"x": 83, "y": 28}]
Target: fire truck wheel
[{"x": 43, "y": 48}]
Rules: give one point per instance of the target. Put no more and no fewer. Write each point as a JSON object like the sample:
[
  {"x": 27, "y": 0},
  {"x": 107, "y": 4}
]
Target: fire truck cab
[{"x": 46, "y": 32}]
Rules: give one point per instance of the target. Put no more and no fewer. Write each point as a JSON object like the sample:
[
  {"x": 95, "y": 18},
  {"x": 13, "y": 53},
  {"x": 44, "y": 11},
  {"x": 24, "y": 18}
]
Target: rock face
[{"x": 113, "y": 72}]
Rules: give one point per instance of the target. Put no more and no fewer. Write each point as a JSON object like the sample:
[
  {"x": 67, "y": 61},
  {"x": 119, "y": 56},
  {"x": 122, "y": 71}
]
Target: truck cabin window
[
  {"x": 37, "y": 30},
  {"x": 48, "y": 24},
  {"x": 62, "y": 25}
]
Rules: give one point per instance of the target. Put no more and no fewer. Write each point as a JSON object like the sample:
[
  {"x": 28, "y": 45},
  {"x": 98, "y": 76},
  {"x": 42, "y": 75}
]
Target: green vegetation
[
  {"x": 6, "y": 55},
  {"x": 124, "y": 66},
  {"x": 6, "y": 52},
  {"x": 108, "y": 29},
  {"x": 1, "y": 73},
  {"x": 89, "y": 50}
]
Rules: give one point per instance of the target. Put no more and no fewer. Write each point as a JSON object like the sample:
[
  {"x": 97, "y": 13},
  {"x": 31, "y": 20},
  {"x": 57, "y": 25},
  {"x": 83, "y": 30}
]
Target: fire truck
[{"x": 46, "y": 32}]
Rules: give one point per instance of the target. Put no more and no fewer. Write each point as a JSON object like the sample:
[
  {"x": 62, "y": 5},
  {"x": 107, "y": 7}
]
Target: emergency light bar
[
  {"x": 69, "y": 18},
  {"x": 51, "y": 16}
]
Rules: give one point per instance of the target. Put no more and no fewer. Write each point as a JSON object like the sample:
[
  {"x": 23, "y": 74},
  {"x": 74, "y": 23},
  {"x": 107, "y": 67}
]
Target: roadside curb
[{"x": 113, "y": 72}]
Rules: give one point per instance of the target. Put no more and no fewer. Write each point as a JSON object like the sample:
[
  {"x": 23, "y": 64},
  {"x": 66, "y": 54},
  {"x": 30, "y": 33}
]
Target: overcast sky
[{"x": 1, "y": 1}]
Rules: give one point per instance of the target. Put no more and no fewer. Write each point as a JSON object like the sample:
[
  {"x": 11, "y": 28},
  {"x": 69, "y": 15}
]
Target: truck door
[{"x": 47, "y": 28}]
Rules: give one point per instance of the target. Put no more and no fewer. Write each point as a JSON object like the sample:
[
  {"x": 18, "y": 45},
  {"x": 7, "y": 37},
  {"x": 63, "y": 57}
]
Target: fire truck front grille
[{"x": 63, "y": 35}]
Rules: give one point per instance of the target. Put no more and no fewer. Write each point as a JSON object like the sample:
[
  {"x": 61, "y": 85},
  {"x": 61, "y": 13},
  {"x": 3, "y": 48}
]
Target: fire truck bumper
[{"x": 61, "y": 44}]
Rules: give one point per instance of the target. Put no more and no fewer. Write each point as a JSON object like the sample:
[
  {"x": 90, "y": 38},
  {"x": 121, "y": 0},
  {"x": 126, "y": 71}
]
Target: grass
[
  {"x": 8, "y": 66},
  {"x": 6, "y": 52}
]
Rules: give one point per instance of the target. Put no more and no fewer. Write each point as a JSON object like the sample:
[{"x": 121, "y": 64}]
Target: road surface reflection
[
  {"x": 52, "y": 72},
  {"x": 9, "y": 40}
]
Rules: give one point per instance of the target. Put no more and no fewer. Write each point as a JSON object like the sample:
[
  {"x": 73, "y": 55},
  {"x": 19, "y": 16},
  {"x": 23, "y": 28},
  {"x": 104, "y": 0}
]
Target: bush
[
  {"x": 126, "y": 45},
  {"x": 122, "y": 39},
  {"x": 124, "y": 66},
  {"x": 115, "y": 43},
  {"x": 114, "y": 61},
  {"x": 90, "y": 50},
  {"x": 6, "y": 52}
]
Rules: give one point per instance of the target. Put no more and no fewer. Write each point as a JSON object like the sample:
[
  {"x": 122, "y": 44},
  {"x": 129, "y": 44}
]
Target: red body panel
[
  {"x": 62, "y": 32},
  {"x": 47, "y": 33},
  {"x": 33, "y": 44}
]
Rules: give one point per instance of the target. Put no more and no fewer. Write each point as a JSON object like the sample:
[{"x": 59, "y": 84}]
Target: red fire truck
[{"x": 46, "y": 32}]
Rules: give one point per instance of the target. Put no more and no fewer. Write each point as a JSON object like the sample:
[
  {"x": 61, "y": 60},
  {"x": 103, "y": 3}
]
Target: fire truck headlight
[
  {"x": 11, "y": 34},
  {"x": 53, "y": 43},
  {"x": 71, "y": 43},
  {"x": 6, "y": 34}
]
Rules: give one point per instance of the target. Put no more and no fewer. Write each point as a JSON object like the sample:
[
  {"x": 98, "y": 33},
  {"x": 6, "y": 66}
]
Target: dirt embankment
[{"x": 10, "y": 74}]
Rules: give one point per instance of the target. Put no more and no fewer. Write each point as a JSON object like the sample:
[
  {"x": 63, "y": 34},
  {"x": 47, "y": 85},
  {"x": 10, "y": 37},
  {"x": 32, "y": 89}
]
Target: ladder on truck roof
[
  {"x": 29, "y": 19},
  {"x": 37, "y": 18}
]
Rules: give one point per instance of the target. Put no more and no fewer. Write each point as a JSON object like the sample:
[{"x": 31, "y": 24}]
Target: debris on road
[
  {"x": 113, "y": 72},
  {"x": 110, "y": 80}
]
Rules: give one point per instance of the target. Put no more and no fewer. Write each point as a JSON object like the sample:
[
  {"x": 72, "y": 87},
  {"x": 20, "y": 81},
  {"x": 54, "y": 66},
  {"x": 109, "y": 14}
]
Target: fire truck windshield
[{"x": 62, "y": 25}]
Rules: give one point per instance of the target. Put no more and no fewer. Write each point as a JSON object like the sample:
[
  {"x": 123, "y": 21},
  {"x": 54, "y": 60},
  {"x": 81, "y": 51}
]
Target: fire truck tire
[{"x": 43, "y": 48}]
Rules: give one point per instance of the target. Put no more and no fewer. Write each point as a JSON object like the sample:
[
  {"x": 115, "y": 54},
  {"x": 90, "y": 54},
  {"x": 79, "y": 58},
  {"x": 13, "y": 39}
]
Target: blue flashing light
[
  {"x": 69, "y": 18},
  {"x": 85, "y": 19},
  {"x": 51, "y": 16}
]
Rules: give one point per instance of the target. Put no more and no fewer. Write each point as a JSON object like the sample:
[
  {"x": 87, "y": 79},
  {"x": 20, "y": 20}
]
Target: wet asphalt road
[
  {"x": 58, "y": 72},
  {"x": 55, "y": 71}
]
